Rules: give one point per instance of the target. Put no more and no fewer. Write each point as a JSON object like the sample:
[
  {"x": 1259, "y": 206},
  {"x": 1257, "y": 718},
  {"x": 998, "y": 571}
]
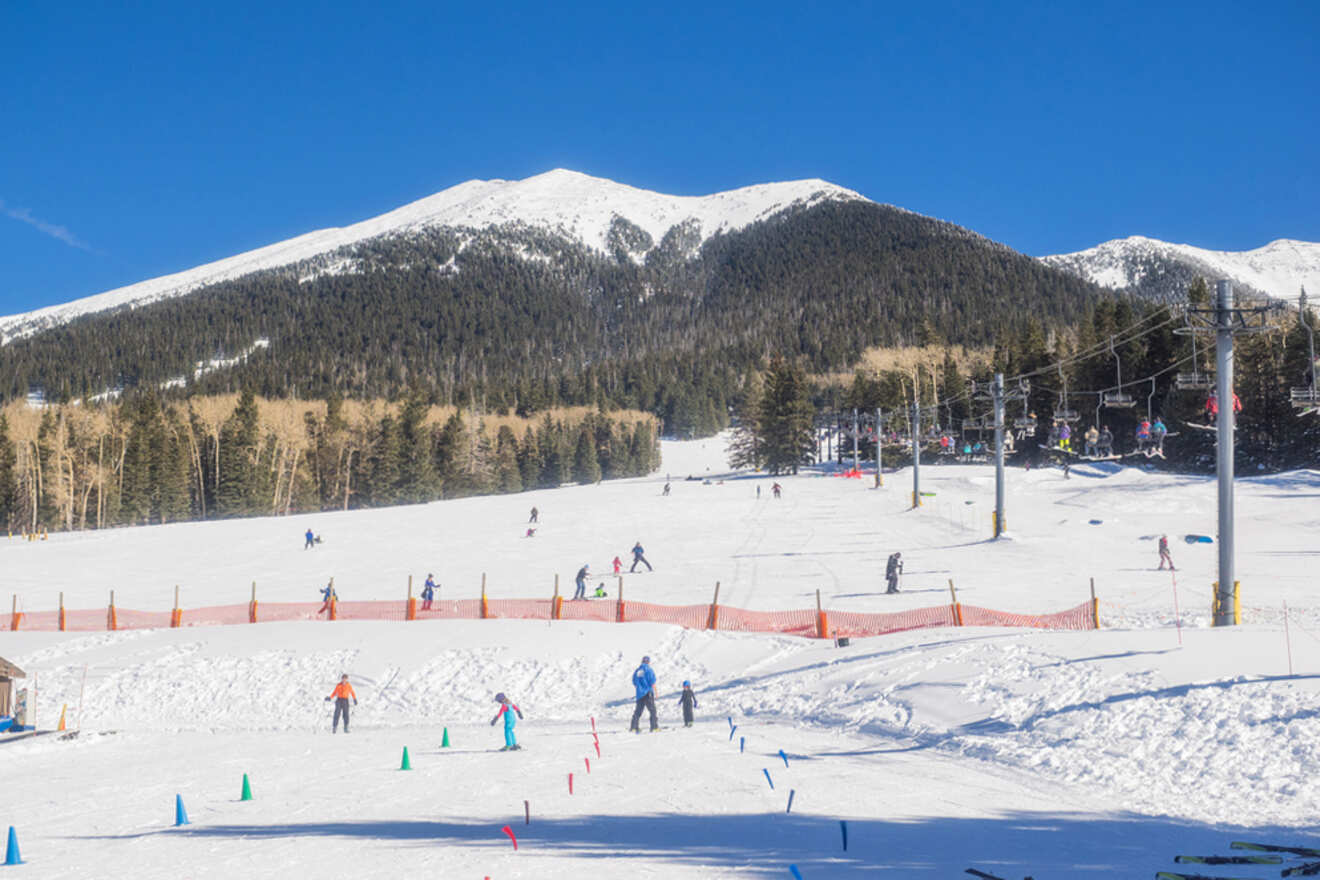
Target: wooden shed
[{"x": 8, "y": 672}]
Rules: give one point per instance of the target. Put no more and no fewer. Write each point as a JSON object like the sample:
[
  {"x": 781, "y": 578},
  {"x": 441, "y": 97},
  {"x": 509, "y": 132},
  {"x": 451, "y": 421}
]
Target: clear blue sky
[{"x": 147, "y": 137}]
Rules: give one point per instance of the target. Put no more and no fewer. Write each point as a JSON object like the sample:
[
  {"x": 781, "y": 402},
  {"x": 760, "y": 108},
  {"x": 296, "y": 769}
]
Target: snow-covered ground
[{"x": 1017, "y": 752}]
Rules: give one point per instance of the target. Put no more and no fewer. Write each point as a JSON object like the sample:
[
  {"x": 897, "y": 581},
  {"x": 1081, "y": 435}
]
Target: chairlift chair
[
  {"x": 1193, "y": 381},
  {"x": 1117, "y": 400}
]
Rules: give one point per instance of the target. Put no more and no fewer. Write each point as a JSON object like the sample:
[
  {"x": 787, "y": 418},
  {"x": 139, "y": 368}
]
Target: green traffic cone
[
  {"x": 444, "y": 740},
  {"x": 407, "y": 764},
  {"x": 247, "y": 789}
]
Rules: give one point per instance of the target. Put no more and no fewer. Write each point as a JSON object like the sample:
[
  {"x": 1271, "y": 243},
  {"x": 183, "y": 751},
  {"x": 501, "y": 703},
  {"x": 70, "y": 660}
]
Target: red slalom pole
[
  {"x": 1177, "y": 615},
  {"x": 509, "y": 831},
  {"x": 527, "y": 813},
  {"x": 588, "y": 763},
  {"x": 597, "y": 748},
  {"x": 593, "y": 723},
  {"x": 570, "y": 783}
]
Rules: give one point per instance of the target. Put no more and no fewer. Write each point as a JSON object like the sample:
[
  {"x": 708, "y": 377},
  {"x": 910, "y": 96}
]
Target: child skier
[
  {"x": 428, "y": 592},
  {"x": 342, "y": 693},
  {"x": 688, "y": 701},
  {"x": 329, "y": 595},
  {"x": 600, "y": 591},
  {"x": 309, "y": 540},
  {"x": 618, "y": 565},
  {"x": 1164, "y": 553},
  {"x": 892, "y": 570},
  {"x": 507, "y": 709}
]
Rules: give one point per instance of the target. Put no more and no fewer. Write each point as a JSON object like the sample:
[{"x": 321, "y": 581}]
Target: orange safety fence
[{"x": 804, "y": 622}]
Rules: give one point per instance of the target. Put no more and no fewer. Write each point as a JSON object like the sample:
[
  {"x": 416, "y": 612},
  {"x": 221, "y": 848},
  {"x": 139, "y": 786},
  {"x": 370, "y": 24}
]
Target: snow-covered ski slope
[
  {"x": 1096, "y": 754},
  {"x": 577, "y": 206}
]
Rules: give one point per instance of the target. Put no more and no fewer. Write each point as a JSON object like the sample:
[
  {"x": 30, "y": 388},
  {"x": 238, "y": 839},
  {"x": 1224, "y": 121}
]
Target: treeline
[
  {"x": 147, "y": 460},
  {"x": 519, "y": 320}
]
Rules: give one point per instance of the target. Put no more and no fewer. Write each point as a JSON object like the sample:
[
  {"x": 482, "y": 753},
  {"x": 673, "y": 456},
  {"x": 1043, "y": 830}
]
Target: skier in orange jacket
[{"x": 342, "y": 693}]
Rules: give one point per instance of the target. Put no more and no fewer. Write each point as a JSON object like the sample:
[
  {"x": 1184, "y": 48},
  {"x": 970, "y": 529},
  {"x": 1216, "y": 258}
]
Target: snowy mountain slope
[
  {"x": 578, "y": 206},
  {"x": 1160, "y": 270}
]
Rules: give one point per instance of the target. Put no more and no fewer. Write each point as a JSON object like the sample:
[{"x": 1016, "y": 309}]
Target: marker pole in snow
[
  {"x": 916, "y": 451},
  {"x": 879, "y": 468},
  {"x": 998, "y": 392},
  {"x": 1224, "y": 465},
  {"x": 856, "y": 459}
]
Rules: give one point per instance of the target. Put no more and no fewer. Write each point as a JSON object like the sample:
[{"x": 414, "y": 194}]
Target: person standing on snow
[
  {"x": 776, "y": 489},
  {"x": 687, "y": 700},
  {"x": 428, "y": 591},
  {"x": 329, "y": 595},
  {"x": 534, "y": 517},
  {"x": 507, "y": 709},
  {"x": 1164, "y": 553},
  {"x": 581, "y": 581},
  {"x": 643, "y": 679},
  {"x": 618, "y": 565},
  {"x": 892, "y": 570},
  {"x": 639, "y": 555},
  {"x": 342, "y": 693},
  {"x": 310, "y": 540},
  {"x": 666, "y": 491}
]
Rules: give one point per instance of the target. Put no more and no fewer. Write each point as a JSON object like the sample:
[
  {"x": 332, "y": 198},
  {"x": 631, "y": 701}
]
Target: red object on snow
[
  {"x": 597, "y": 748},
  {"x": 588, "y": 762},
  {"x": 570, "y": 783},
  {"x": 509, "y": 831}
]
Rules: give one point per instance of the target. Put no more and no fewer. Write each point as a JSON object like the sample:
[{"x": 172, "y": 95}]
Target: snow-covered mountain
[
  {"x": 1161, "y": 271},
  {"x": 601, "y": 214}
]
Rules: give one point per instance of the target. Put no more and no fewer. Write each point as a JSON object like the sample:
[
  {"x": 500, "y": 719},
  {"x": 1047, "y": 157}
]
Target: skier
[
  {"x": 329, "y": 595},
  {"x": 666, "y": 490},
  {"x": 1106, "y": 442},
  {"x": 639, "y": 555},
  {"x": 1157, "y": 432},
  {"x": 1065, "y": 437},
  {"x": 531, "y": 532},
  {"x": 342, "y": 693},
  {"x": 310, "y": 540},
  {"x": 507, "y": 709},
  {"x": 776, "y": 489},
  {"x": 688, "y": 700},
  {"x": 1143, "y": 436},
  {"x": 428, "y": 591},
  {"x": 1164, "y": 553},
  {"x": 892, "y": 570},
  {"x": 1092, "y": 442},
  {"x": 1053, "y": 442},
  {"x": 758, "y": 491},
  {"x": 581, "y": 581},
  {"x": 643, "y": 679},
  {"x": 618, "y": 565},
  {"x": 534, "y": 517},
  {"x": 600, "y": 591}
]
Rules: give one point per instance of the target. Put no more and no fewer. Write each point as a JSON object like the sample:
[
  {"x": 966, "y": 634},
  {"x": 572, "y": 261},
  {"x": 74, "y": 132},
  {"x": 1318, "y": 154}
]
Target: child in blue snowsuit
[
  {"x": 507, "y": 709},
  {"x": 428, "y": 592}
]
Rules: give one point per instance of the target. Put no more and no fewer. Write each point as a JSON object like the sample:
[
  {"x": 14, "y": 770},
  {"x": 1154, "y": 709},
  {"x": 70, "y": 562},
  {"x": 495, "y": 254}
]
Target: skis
[
  {"x": 1229, "y": 860},
  {"x": 1173, "y": 875},
  {"x": 1270, "y": 848}
]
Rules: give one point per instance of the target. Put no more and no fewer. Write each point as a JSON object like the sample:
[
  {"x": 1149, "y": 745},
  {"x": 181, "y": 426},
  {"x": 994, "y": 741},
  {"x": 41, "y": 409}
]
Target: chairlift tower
[
  {"x": 1226, "y": 321},
  {"x": 998, "y": 397}
]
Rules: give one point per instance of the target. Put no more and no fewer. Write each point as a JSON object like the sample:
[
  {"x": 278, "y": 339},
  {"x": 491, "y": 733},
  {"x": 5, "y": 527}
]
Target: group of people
[
  {"x": 643, "y": 681},
  {"x": 580, "y": 579}
]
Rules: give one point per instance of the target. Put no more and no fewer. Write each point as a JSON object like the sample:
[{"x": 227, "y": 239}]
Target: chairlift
[
  {"x": 1117, "y": 400},
  {"x": 1062, "y": 413},
  {"x": 972, "y": 424},
  {"x": 1307, "y": 398},
  {"x": 1196, "y": 380}
]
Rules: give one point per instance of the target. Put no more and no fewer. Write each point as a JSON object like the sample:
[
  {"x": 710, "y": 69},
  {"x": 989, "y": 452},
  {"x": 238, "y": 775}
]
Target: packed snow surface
[
  {"x": 1050, "y": 754},
  {"x": 1280, "y": 269},
  {"x": 579, "y": 206}
]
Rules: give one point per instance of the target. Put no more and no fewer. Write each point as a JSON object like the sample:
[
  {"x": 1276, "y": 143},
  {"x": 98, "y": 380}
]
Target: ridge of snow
[
  {"x": 1279, "y": 269},
  {"x": 569, "y": 202}
]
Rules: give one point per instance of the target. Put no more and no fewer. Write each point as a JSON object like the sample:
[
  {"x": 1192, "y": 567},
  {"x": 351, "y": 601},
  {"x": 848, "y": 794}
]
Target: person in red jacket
[
  {"x": 342, "y": 693},
  {"x": 618, "y": 565}
]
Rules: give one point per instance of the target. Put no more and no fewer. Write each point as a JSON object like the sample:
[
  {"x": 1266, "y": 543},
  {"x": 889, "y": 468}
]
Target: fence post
[
  {"x": 822, "y": 622},
  {"x": 61, "y": 611},
  {"x": 556, "y": 602},
  {"x": 252, "y": 606},
  {"x": 410, "y": 610},
  {"x": 176, "y": 616},
  {"x": 111, "y": 622},
  {"x": 1237, "y": 602},
  {"x": 1095, "y": 607},
  {"x": 957, "y": 609},
  {"x": 713, "y": 621},
  {"x": 14, "y": 616},
  {"x": 619, "y": 616},
  {"x": 485, "y": 608},
  {"x": 334, "y": 602}
]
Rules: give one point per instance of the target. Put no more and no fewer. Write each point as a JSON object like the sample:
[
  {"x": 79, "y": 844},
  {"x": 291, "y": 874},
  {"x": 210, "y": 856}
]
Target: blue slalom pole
[
  {"x": 742, "y": 743},
  {"x": 768, "y": 779},
  {"x": 785, "y": 757},
  {"x": 791, "y": 792},
  {"x": 793, "y": 869},
  {"x": 180, "y": 814},
  {"x": 731, "y": 730},
  {"x": 11, "y": 849},
  {"x": 843, "y": 827}
]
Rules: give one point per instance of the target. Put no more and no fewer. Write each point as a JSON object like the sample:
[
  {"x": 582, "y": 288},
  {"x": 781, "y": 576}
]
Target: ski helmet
[
  {"x": 499, "y": 698},
  {"x": 687, "y": 684},
  {"x": 646, "y": 659}
]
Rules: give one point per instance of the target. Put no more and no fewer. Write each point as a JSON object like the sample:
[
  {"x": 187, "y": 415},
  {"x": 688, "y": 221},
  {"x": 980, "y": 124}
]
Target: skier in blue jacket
[
  {"x": 507, "y": 709},
  {"x": 643, "y": 680}
]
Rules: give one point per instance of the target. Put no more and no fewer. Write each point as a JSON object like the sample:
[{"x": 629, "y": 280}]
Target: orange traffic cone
[{"x": 62, "y": 708}]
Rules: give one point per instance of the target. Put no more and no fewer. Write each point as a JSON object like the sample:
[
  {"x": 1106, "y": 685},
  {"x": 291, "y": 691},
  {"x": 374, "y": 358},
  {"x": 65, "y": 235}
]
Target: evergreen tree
[
  {"x": 241, "y": 484},
  {"x": 8, "y": 476},
  {"x": 418, "y": 480},
  {"x": 785, "y": 433},
  {"x": 508, "y": 475},
  {"x": 586, "y": 467}
]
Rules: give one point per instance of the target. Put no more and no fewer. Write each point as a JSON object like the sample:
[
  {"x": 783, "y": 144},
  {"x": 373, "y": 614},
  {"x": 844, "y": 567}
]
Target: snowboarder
[
  {"x": 618, "y": 565},
  {"x": 342, "y": 693},
  {"x": 666, "y": 490},
  {"x": 1092, "y": 442},
  {"x": 310, "y": 541},
  {"x": 534, "y": 517},
  {"x": 328, "y": 595},
  {"x": 776, "y": 489},
  {"x": 639, "y": 555},
  {"x": 1164, "y": 553},
  {"x": 508, "y": 710},
  {"x": 581, "y": 581},
  {"x": 892, "y": 570},
  {"x": 643, "y": 680},
  {"x": 428, "y": 591},
  {"x": 688, "y": 700}
]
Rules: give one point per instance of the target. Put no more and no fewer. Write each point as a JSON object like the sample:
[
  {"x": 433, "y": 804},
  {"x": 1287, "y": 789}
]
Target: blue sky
[{"x": 148, "y": 137}]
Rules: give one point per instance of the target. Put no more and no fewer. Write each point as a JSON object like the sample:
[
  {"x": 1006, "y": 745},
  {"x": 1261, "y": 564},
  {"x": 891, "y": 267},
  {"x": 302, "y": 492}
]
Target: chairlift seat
[
  {"x": 971, "y": 424},
  {"x": 1117, "y": 400},
  {"x": 1066, "y": 415},
  {"x": 1193, "y": 381},
  {"x": 1305, "y": 397}
]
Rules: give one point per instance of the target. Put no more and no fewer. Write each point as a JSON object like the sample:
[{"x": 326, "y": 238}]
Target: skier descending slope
[
  {"x": 688, "y": 701},
  {"x": 342, "y": 693},
  {"x": 507, "y": 709},
  {"x": 643, "y": 680},
  {"x": 639, "y": 556}
]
